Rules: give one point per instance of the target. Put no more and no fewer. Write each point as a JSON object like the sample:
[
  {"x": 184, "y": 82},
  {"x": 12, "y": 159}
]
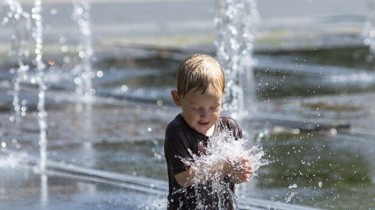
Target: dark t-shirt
[{"x": 179, "y": 139}]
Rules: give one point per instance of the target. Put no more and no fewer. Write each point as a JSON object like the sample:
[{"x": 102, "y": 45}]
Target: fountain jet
[{"x": 235, "y": 24}]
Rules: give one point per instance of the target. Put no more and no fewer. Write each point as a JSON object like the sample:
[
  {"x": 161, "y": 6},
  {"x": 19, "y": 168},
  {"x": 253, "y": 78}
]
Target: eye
[
  {"x": 195, "y": 108},
  {"x": 215, "y": 108},
  {"x": 198, "y": 109}
]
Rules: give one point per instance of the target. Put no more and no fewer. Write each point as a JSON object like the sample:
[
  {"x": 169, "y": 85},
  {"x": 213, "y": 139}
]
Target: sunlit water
[
  {"x": 222, "y": 148},
  {"x": 83, "y": 70},
  {"x": 332, "y": 168},
  {"x": 235, "y": 25},
  {"x": 303, "y": 99}
]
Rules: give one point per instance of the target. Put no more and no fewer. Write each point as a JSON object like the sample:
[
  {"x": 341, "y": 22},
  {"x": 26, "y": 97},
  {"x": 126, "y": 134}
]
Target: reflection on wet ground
[{"x": 315, "y": 129}]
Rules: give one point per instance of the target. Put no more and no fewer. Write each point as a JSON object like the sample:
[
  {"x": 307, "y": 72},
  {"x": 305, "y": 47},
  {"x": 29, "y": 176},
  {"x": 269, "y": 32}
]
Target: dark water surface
[{"x": 314, "y": 120}]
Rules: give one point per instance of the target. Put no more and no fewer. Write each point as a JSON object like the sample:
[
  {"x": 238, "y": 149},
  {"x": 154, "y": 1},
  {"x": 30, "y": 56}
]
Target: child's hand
[{"x": 241, "y": 170}]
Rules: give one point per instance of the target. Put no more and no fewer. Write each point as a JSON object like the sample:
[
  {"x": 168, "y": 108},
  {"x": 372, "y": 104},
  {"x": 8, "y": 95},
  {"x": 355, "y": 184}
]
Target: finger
[
  {"x": 244, "y": 169},
  {"x": 245, "y": 177},
  {"x": 245, "y": 160}
]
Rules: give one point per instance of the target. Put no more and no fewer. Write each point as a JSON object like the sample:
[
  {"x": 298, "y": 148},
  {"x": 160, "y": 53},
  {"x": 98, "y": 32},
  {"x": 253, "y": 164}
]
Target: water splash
[
  {"x": 13, "y": 160},
  {"x": 20, "y": 20},
  {"x": 369, "y": 29},
  {"x": 223, "y": 147},
  {"x": 84, "y": 70},
  {"x": 40, "y": 67},
  {"x": 235, "y": 25}
]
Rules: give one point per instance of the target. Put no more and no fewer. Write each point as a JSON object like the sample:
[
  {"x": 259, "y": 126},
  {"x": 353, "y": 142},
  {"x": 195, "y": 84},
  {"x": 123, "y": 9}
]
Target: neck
[{"x": 210, "y": 131}]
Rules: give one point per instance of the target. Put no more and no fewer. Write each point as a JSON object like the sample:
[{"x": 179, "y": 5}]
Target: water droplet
[
  {"x": 77, "y": 81},
  {"x": 24, "y": 102},
  {"x": 367, "y": 42},
  {"x": 333, "y": 131},
  {"x": 5, "y": 20},
  {"x": 99, "y": 74},
  {"x": 92, "y": 92},
  {"x": 79, "y": 11},
  {"x": 292, "y": 186},
  {"x": 124, "y": 88},
  {"x": 82, "y": 54},
  {"x": 159, "y": 102},
  {"x": 53, "y": 11}
]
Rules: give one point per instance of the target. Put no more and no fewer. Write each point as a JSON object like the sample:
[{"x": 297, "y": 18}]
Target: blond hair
[{"x": 198, "y": 72}]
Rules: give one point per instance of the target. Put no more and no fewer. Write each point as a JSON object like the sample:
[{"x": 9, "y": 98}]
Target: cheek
[
  {"x": 217, "y": 113},
  {"x": 213, "y": 117},
  {"x": 192, "y": 115}
]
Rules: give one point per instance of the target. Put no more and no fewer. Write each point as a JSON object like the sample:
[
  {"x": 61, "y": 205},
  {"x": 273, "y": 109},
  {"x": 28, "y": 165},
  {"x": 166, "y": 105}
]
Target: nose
[{"x": 204, "y": 113}]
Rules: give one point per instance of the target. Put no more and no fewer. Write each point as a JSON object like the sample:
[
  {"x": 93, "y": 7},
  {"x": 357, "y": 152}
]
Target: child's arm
[
  {"x": 240, "y": 171},
  {"x": 185, "y": 178}
]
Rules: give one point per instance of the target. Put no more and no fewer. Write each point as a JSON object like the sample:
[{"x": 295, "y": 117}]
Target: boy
[{"x": 200, "y": 88}]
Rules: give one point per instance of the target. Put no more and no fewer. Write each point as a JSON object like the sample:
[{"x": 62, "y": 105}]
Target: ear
[{"x": 176, "y": 97}]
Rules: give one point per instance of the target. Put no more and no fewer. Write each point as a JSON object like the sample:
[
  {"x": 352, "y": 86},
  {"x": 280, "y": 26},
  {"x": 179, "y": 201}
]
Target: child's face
[{"x": 201, "y": 111}]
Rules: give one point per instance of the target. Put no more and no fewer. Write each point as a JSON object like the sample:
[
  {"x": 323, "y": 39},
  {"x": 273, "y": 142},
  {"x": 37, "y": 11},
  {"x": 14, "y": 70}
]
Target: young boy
[{"x": 200, "y": 88}]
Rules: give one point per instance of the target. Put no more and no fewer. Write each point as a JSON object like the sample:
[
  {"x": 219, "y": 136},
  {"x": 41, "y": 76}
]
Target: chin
[{"x": 203, "y": 131}]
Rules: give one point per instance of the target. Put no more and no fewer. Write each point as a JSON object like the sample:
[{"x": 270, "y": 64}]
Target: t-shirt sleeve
[
  {"x": 233, "y": 126},
  {"x": 177, "y": 150}
]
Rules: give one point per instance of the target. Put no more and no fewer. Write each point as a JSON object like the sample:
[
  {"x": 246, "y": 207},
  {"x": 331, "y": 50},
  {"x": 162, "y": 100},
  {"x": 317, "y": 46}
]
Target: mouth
[{"x": 203, "y": 123}]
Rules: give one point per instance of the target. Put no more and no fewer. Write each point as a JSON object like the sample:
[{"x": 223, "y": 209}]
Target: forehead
[
  {"x": 211, "y": 94},
  {"x": 200, "y": 72}
]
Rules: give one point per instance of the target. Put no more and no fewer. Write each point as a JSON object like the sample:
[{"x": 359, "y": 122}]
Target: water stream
[{"x": 235, "y": 25}]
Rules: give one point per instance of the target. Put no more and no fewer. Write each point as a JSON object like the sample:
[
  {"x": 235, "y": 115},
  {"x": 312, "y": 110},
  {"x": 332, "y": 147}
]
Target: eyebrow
[{"x": 215, "y": 105}]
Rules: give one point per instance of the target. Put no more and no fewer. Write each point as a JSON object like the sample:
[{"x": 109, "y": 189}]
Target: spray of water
[
  {"x": 223, "y": 148},
  {"x": 13, "y": 160},
  {"x": 40, "y": 67},
  {"x": 84, "y": 70},
  {"x": 235, "y": 24},
  {"x": 369, "y": 30},
  {"x": 20, "y": 20}
]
